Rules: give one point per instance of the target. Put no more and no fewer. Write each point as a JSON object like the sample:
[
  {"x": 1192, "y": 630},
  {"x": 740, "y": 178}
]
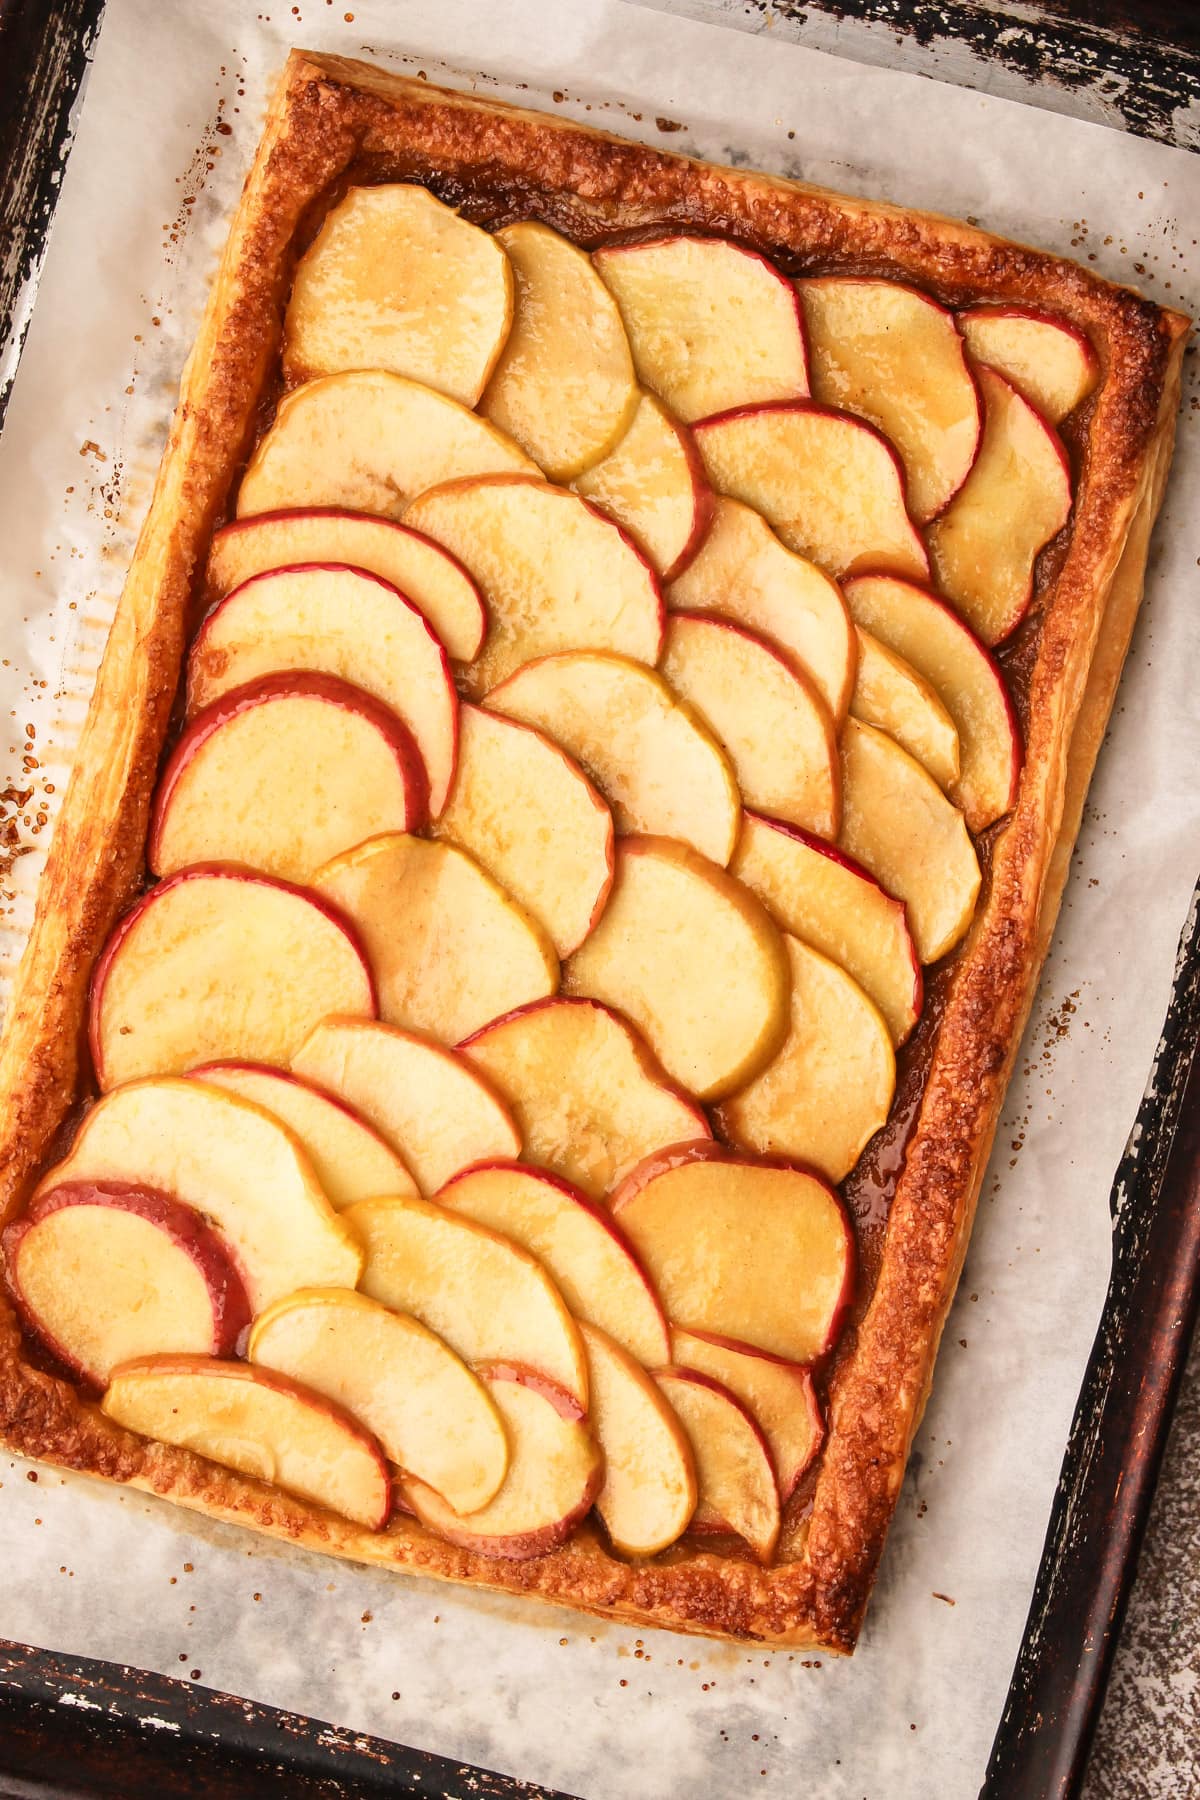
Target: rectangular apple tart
[{"x": 560, "y": 855}]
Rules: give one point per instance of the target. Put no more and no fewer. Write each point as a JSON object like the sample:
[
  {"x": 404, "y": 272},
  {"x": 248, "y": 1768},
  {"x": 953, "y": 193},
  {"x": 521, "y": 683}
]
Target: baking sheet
[{"x": 169, "y": 123}]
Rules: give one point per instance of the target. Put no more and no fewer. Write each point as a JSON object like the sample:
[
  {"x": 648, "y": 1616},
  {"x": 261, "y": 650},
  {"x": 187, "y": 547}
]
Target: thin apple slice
[
  {"x": 770, "y": 720},
  {"x": 564, "y": 387},
  {"x": 218, "y": 963},
  {"x": 897, "y": 821},
  {"x": 449, "y": 947},
  {"x": 484, "y": 1295},
  {"x": 828, "y": 484},
  {"x": 587, "y": 1258},
  {"x": 755, "y": 1250},
  {"x": 780, "y": 1396},
  {"x": 658, "y": 767},
  {"x": 554, "y": 572},
  {"x": 932, "y": 639},
  {"x": 893, "y": 356},
  {"x": 737, "y": 1491},
  {"x": 650, "y": 1490},
  {"x": 822, "y": 896},
  {"x": 554, "y": 1473},
  {"x": 589, "y": 1099},
  {"x": 1016, "y": 498},
  {"x": 428, "y": 1103},
  {"x": 370, "y": 442},
  {"x": 260, "y": 1424},
  {"x": 531, "y": 818},
  {"x": 241, "y": 1168},
  {"x": 352, "y": 1162},
  {"x": 745, "y": 573},
  {"x": 890, "y": 694},
  {"x": 652, "y": 482},
  {"x": 282, "y": 775},
  {"x": 711, "y": 325},
  {"x": 105, "y": 1270},
  {"x": 342, "y": 622},
  {"x": 432, "y": 1416},
  {"x": 428, "y": 576},
  {"x": 1047, "y": 360},
  {"x": 396, "y": 280},
  {"x": 830, "y": 1088},
  {"x": 672, "y": 912}
]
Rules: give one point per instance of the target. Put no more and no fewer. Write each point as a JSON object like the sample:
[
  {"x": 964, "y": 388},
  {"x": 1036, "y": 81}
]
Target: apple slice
[
  {"x": 449, "y": 947},
  {"x": 755, "y": 1250},
  {"x": 260, "y": 1424},
  {"x": 897, "y": 821},
  {"x": 396, "y": 280},
  {"x": 931, "y": 637},
  {"x": 218, "y": 963},
  {"x": 584, "y": 1253},
  {"x": 737, "y": 1491},
  {"x": 370, "y": 442},
  {"x": 830, "y": 485},
  {"x": 283, "y": 774},
  {"x": 772, "y": 723},
  {"x": 711, "y": 325},
  {"x": 432, "y": 1416},
  {"x": 830, "y": 1088},
  {"x": 428, "y": 576},
  {"x": 820, "y": 895},
  {"x": 344, "y": 623},
  {"x": 1016, "y": 498},
  {"x": 688, "y": 955},
  {"x": 658, "y": 767},
  {"x": 653, "y": 484},
  {"x": 744, "y": 573},
  {"x": 554, "y": 572},
  {"x": 589, "y": 1099},
  {"x": 894, "y": 356},
  {"x": 780, "y": 1396},
  {"x": 533, "y": 820},
  {"x": 554, "y": 1473},
  {"x": 650, "y": 1491},
  {"x": 485, "y": 1296},
  {"x": 890, "y": 694},
  {"x": 243, "y": 1170},
  {"x": 564, "y": 386},
  {"x": 428, "y": 1103},
  {"x": 1047, "y": 360},
  {"x": 103, "y": 1270},
  {"x": 351, "y": 1161}
]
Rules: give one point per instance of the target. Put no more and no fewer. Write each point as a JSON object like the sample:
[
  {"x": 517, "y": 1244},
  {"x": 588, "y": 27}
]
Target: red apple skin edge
[
  {"x": 1014, "y": 723},
  {"x": 293, "y": 684},
  {"x": 678, "y": 1156},
  {"x": 718, "y": 1527},
  {"x": 704, "y": 502},
  {"x": 319, "y": 568},
  {"x": 282, "y": 514},
  {"x": 237, "y": 1065},
  {"x": 228, "y": 872},
  {"x": 673, "y": 237},
  {"x": 831, "y": 851},
  {"x": 282, "y": 1384},
  {"x": 803, "y": 1377},
  {"x": 830, "y": 412},
  {"x": 591, "y": 1207},
  {"x": 952, "y": 318},
  {"x": 650, "y": 1067},
  {"x": 1038, "y": 316},
  {"x": 181, "y": 1223}
]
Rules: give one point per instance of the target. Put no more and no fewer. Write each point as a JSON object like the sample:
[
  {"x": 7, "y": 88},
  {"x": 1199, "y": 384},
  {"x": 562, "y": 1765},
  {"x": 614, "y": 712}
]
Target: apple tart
[{"x": 560, "y": 856}]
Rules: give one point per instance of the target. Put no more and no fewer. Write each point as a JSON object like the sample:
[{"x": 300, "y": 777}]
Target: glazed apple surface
[
  {"x": 890, "y": 694},
  {"x": 1047, "y": 361},
  {"x": 652, "y": 483},
  {"x": 649, "y": 1492},
  {"x": 736, "y": 1490},
  {"x": 780, "y": 1397}
]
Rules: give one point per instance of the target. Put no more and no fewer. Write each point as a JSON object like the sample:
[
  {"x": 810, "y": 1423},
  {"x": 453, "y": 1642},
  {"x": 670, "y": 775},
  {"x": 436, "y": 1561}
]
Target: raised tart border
[{"x": 327, "y": 112}]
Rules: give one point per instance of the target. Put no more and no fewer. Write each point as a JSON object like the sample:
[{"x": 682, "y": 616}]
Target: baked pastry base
[{"x": 331, "y": 121}]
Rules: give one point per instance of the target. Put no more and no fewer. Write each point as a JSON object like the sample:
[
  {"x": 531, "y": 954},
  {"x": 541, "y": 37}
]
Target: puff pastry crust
[{"x": 331, "y": 120}]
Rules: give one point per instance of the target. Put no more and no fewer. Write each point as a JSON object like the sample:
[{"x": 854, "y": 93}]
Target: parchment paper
[{"x": 172, "y": 111}]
